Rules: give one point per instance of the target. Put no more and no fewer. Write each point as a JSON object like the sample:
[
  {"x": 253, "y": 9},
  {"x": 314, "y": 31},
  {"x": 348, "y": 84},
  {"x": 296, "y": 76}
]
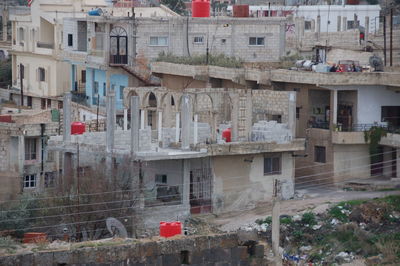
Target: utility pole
[
  {"x": 384, "y": 39},
  {"x": 21, "y": 77},
  {"x": 276, "y": 222},
  {"x": 391, "y": 37}
]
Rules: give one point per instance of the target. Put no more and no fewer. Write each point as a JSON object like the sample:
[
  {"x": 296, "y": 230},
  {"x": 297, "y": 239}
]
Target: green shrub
[
  {"x": 286, "y": 220},
  {"x": 309, "y": 218},
  {"x": 336, "y": 212}
]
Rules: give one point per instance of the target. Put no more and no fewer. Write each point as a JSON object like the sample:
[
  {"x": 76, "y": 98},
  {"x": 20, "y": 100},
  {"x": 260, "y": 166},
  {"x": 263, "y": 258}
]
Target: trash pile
[{"x": 357, "y": 229}]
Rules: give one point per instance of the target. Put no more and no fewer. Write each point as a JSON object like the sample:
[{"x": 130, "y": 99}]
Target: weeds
[
  {"x": 309, "y": 218},
  {"x": 214, "y": 60}
]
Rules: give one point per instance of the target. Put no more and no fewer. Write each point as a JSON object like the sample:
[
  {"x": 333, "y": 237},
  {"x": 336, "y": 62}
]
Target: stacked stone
[{"x": 271, "y": 131}]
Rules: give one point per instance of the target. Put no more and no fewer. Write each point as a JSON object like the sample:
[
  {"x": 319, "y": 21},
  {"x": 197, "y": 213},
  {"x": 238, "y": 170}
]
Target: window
[
  {"x": 272, "y": 165},
  {"x": 161, "y": 179},
  {"x": 48, "y": 103},
  {"x": 49, "y": 179},
  {"x": 158, "y": 41},
  {"x": 277, "y": 118},
  {"x": 352, "y": 25},
  {"x": 95, "y": 87},
  {"x": 21, "y": 34},
  {"x": 223, "y": 41},
  {"x": 319, "y": 154},
  {"x": 198, "y": 40},
  {"x": 307, "y": 25},
  {"x": 30, "y": 149},
  {"x": 104, "y": 89},
  {"x": 256, "y": 41},
  {"x": 83, "y": 76},
  {"x": 297, "y": 112},
  {"x": 29, "y": 99},
  {"x": 70, "y": 40},
  {"x": 43, "y": 103},
  {"x": 121, "y": 92},
  {"x": 41, "y": 74},
  {"x": 30, "y": 181}
]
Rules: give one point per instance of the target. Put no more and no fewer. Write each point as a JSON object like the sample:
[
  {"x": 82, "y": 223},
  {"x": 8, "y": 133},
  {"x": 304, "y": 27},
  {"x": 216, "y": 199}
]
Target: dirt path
[{"x": 316, "y": 200}]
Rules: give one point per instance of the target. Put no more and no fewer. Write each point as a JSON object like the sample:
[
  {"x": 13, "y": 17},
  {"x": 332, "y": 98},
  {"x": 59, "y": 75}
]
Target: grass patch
[
  {"x": 392, "y": 201},
  {"x": 309, "y": 218}
]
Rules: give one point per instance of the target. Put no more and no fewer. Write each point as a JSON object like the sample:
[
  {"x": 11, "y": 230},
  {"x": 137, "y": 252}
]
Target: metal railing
[
  {"x": 119, "y": 59},
  {"x": 321, "y": 125},
  {"x": 366, "y": 127}
]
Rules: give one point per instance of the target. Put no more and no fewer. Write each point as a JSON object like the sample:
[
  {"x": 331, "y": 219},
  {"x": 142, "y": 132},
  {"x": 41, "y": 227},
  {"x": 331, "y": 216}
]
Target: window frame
[
  {"x": 272, "y": 171},
  {"x": 257, "y": 38},
  {"x": 317, "y": 158},
  {"x": 31, "y": 149},
  {"x": 28, "y": 180},
  {"x": 70, "y": 40},
  {"x": 201, "y": 38},
  {"x": 121, "y": 92},
  {"x": 158, "y": 42},
  {"x": 41, "y": 74},
  {"x": 163, "y": 177}
]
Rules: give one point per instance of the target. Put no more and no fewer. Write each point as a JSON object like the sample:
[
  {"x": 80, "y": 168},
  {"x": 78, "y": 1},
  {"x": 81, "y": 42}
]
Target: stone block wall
[
  {"x": 194, "y": 250},
  {"x": 268, "y": 102},
  {"x": 270, "y": 131}
]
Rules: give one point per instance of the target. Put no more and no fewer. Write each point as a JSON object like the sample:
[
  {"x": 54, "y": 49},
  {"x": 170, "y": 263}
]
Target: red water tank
[
  {"x": 169, "y": 229},
  {"x": 226, "y": 135},
  {"x": 200, "y": 8},
  {"x": 77, "y": 128},
  {"x": 241, "y": 11}
]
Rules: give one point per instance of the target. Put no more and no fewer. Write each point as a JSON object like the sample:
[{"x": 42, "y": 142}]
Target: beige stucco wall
[
  {"x": 239, "y": 181},
  {"x": 351, "y": 161}
]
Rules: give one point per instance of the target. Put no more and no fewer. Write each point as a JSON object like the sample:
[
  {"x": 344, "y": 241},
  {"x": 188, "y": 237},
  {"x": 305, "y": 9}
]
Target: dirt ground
[{"x": 316, "y": 200}]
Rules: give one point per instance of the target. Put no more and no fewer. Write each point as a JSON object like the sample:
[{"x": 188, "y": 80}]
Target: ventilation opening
[{"x": 185, "y": 257}]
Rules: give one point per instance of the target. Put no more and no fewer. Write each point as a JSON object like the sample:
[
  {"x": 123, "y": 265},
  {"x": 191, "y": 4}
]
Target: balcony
[
  {"x": 118, "y": 59},
  {"x": 45, "y": 45}
]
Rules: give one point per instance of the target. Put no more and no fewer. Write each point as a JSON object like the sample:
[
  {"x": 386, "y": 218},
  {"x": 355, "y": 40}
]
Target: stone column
[
  {"x": 134, "y": 124},
  {"x": 4, "y": 28},
  {"x": 142, "y": 112},
  {"x": 177, "y": 126},
  {"x": 159, "y": 127},
  {"x": 339, "y": 23},
  {"x": 186, "y": 183},
  {"x": 195, "y": 129},
  {"x": 333, "y": 110},
  {"x": 235, "y": 118},
  {"x": 366, "y": 33},
  {"x": 110, "y": 109},
  {"x": 344, "y": 24},
  {"x": 67, "y": 117},
  {"x": 292, "y": 113},
  {"x": 185, "y": 111}
]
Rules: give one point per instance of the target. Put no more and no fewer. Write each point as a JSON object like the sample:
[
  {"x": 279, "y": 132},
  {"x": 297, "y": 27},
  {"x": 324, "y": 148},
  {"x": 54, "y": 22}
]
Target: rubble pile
[{"x": 352, "y": 230}]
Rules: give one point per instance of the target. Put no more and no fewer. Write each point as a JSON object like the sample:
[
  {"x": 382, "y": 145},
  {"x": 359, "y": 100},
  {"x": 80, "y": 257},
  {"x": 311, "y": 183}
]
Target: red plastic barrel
[
  {"x": 169, "y": 229},
  {"x": 241, "y": 11},
  {"x": 226, "y": 135},
  {"x": 200, "y": 8},
  {"x": 78, "y": 128}
]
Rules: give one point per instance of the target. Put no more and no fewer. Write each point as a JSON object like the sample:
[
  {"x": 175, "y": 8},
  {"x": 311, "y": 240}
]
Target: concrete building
[
  {"x": 332, "y": 112},
  {"x": 176, "y": 144},
  {"x": 5, "y": 32}
]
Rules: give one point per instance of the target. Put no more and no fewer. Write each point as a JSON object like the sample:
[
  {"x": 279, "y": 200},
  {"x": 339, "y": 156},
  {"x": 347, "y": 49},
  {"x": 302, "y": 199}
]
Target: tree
[{"x": 177, "y": 6}]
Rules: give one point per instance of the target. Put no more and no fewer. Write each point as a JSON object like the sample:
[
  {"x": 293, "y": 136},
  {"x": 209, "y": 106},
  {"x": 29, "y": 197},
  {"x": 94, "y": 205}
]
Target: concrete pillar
[
  {"x": 318, "y": 26},
  {"x": 249, "y": 113},
  {"x": 398, "y": 163},
  {"x": 110, "y": 109},
  {"x": 185, "y": 112},
  {"x": 339, "y": 23},
  {"x": 134, "y": 124},
  {"x": 313, "y": 25},
  {"x": 195, "y": 129},
  {"x": 67, "y": 117},
  {"x": 333, "y": 110},
  {"x": 366, "y": 34},
  {"x": 186, "y": 183},
  {"x": 282, "y": 40},
  {"x": 177, "y": 126},
  {"x": 21, "y": 154},
  {"x": 235, "y": 118},
  {"x": 214, "y": 127},
  {"x": 292, "y": 113},
  {"x": 142, "y": 119},
  {"x": 159, "y": 127},
  {"x": 344, "y": 24},
  {"x": 125, "y": 119},
  {"x": 4, "y": 27}
]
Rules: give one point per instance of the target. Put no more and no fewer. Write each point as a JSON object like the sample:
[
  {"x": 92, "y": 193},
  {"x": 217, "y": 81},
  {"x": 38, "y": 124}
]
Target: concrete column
[
  {"x": 142, "y": 119},
  {"x": 4, "y": 27},
  {"x": 214, "y": 127},
  {"x": 398, "y": 163},
  {"x": 366, "y": 34},
  {"x": 313, "y": 25},
  {"x": 333, "y": 110},
  {"x": 249, "y": 113},
  {"x": 339, "y": 23},
  {"x": 110, "y": 109},
  {"x": 282, "y": 40},
  {"x": 195, "y": 129},
  {"x": 185, "y": 112},
  {"x": 318, "y": 26},
  {"x": 159, "y": 127},
  {"x": 67, "y": 117},
  {"x": 292, "y": 113},
  {"x": 21, "y": 154},
  {"x": 235, "y": 118},
  {"x": 134, "y": 124},
  {"x": 186, "y": 183},
  {"x": 344, "y": 24},
  {"x": 125, "y": 119},
  {"x": 177, "y": 128},
  {"x": 106, "y": 42}
]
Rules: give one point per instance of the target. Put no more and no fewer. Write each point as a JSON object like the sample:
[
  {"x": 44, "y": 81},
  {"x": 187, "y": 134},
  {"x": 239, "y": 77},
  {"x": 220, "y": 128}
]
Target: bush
[{"x": 309, "y": 218}]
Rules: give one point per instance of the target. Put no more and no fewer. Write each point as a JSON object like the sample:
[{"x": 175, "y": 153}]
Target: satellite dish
[
  {"x": 116, "y": 228},
  {"x": 376, "y": 63}
]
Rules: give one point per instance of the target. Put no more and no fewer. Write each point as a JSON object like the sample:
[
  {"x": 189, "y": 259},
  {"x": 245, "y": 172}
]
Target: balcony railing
[
  {"x": 45, "y": 45},
  {"x": 119, "y": 59},
  {"x": 366, "y": 127},
  {"x": 322, "y": 125}
]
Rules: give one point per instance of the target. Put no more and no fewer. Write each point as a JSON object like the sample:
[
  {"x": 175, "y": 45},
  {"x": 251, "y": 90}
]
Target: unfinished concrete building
[{"x": 176, "y": 146}]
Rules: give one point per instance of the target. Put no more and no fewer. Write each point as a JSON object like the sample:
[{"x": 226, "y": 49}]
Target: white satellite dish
[{"x": 116, "y": 228}]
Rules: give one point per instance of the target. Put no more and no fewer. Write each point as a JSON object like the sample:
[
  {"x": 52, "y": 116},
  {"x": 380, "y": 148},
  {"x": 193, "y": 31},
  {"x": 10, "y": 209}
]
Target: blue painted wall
[{"x": 118, "y": 82}]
